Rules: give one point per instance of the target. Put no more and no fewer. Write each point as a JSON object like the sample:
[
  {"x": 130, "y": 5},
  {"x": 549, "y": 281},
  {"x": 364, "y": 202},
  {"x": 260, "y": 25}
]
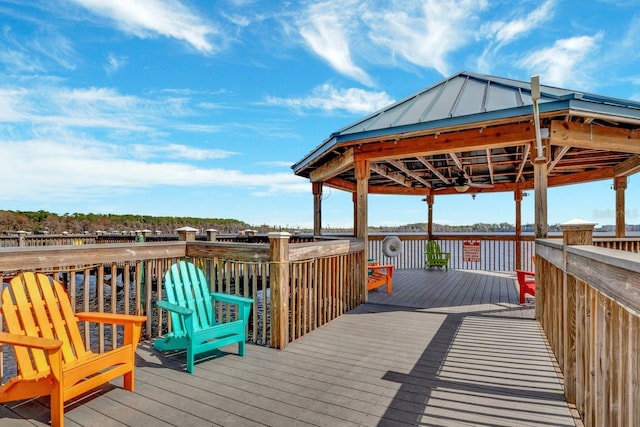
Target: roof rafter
[
  {"x": 628, "y": 167},
  {"x": 398, "y": 164},
  {"x": 433, "y": 170},
  {"x": 392, "y": 175},
  {"x": 490, "y": 165},
  {"x": 334, "y": 167},
  {"x": 558, "y": 155}
]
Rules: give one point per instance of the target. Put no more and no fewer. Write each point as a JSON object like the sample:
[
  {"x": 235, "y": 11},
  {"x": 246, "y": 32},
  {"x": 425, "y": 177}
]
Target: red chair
[{"x": 526, "y": 283}]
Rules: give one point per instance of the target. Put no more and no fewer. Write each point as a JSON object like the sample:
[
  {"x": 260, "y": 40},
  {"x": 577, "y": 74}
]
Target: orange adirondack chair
[{"x": 51, "y": 357}]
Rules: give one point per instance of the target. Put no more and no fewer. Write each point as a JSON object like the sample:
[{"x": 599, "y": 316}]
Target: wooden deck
[{"x": 445, "y": 349}]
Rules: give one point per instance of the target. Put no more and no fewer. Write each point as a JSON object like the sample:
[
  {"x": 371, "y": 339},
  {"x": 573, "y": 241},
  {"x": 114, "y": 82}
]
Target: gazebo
[{"x": 478, "y": 133}]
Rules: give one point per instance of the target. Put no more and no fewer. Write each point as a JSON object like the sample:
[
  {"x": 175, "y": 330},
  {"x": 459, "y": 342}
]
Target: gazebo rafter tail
[
  {"x": 343, "y": 162},
  {"x": 628, "y": 167},
  {"x": 557, "y": 156}
]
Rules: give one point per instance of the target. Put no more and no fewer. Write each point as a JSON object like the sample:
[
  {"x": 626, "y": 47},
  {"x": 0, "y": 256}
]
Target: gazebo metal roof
[{"x": 482, "y": 127}]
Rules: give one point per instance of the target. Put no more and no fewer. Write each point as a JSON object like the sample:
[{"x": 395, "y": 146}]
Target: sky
[{"x": 199, "y": 108}]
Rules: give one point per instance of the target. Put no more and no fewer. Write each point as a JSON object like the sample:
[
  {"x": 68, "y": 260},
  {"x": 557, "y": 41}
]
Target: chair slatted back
[
  {"x": 433, "y": 249},
  {"x": 186, "y": 286},
  {"x": 35, "y": 305}
]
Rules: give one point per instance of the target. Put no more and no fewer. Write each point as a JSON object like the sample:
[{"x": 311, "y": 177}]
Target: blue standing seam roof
[{"x": 466, "y": 98}]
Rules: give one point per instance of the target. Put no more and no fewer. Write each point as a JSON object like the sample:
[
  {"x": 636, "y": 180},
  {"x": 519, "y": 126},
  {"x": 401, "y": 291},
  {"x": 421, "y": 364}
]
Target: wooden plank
[
  {"x": 595, "y": 137},
  {"x": 334, "y": 167},
  {"x": 30, "y": 258},
  {"x": 453, "y": 348}
]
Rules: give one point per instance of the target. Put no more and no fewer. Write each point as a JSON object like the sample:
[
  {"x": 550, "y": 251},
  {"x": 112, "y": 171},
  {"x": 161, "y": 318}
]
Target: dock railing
[
  {"x": 297, "y": 287},
  {"x": 494, "y": 252},
  {"x": 588, "y": 303}
]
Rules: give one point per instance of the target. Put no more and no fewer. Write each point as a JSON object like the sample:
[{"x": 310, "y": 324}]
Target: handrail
[{"x": 588, "y": 303}]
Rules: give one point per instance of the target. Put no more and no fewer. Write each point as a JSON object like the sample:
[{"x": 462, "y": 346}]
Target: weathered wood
[
  {"x": 303, "y": 251},
  {"x": 451, "y": 341},
  {"x": 540, "y": 190},
  {"x": 614, "y": 273},
  {"x": 254, "y": 252},
  {"x": 600, "y": 352},
  {"x": 463, "y": 140},
  {"x": 330, "y": 169},
  {"x": 279, "y": 261},
  {"x": 628, "y": 167},
  {"x": 30, "y": 258},
  {"x": 620, "y": 185},
  {"x": 594, "y": 137},
  {"x": 317, "y": 208}
]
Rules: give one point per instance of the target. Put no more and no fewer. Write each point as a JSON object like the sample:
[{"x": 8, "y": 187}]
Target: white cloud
[
  {"x": 21, "y": 54},
  {"x": 424, "y": 33},
  {"x": 145, "y": 18},
  {"x": 277, "y": 163},
  {"x": 566, "y": 63},
  {"x": 93, "y": 169},
  {"x": 114, "y": 63},
  {"x": 504, "y": 32},
  {"x": 324, "y": 29},
  {"x": 328, "y": 98},
  {"x": 178, "y": 151}
]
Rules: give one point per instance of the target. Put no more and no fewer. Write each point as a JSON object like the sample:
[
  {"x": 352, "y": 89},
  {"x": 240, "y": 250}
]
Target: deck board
[{"x": 447, "y": 348}]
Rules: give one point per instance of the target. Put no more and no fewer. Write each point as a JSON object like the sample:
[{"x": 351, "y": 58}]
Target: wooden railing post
[
  {"x": 279, "y": 284},
  {"x": 574, "y": 232},
  {"x": 21, "y": 238},
  {"x": 187, "y": 234},
  {"x": 212, "y": 235}
]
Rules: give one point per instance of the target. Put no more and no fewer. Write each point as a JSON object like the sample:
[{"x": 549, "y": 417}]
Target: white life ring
[{"x": 391, "y": 246}]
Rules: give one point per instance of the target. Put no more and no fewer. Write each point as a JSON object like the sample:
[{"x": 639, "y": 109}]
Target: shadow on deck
[{"x": 447, "y": 348}]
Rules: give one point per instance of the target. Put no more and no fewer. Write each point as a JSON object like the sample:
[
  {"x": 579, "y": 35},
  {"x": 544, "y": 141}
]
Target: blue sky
[{"x": 199, "y": 108}]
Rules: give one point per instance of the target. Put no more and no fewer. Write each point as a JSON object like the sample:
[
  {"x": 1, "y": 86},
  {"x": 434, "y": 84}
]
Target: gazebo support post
[
  {"x": 540, "y": 190},
  {"x": 360, "y": 227},
  {"x": 430, "y": 199},
  {"x": 354, "y": 200},
  {"x": 517, "y": 196},
  {"x": 620, "y": 185},
  {"x": 317, "y": 208}
]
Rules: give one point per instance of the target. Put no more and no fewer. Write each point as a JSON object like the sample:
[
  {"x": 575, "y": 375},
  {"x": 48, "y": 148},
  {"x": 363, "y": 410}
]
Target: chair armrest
[
  {"x": 183, "y": 311},
  {"x": 231, "y": 299},
  {"x": 31, "y": 342},
  {"x": 525, "y": 276},
  {"x": 113, "y": 318},
  {"x": 388, "y": 268}
]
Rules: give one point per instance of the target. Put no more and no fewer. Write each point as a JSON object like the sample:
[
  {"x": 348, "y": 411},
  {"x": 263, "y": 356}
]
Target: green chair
[
  {"x": 191, "y": 306},
  {"x": 434, "y": 257}
]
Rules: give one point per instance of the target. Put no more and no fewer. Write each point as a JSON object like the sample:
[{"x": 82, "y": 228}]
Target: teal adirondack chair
[
  {"x": 191, "y": 307},
  {"x": 434, "y": 257}
]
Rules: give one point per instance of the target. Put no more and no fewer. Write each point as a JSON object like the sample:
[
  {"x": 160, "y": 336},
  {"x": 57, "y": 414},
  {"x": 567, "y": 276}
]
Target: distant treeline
[{"x": 78, "y": 223}]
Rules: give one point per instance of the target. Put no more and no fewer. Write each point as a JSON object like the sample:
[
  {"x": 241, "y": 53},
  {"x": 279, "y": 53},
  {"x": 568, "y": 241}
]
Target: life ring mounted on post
[{"x": 391, "y": 246}]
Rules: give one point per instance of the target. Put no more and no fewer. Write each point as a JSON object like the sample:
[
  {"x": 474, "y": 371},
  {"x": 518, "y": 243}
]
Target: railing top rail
[
  {"x": 38, "y": 257},
  {"x": 250, "y": 252},
  {"x": 308, "y": 250},
  {"x": 613, "y": 257},
  {"x": 613, "y": 272},
  {"x": 617, "y": 239}
]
